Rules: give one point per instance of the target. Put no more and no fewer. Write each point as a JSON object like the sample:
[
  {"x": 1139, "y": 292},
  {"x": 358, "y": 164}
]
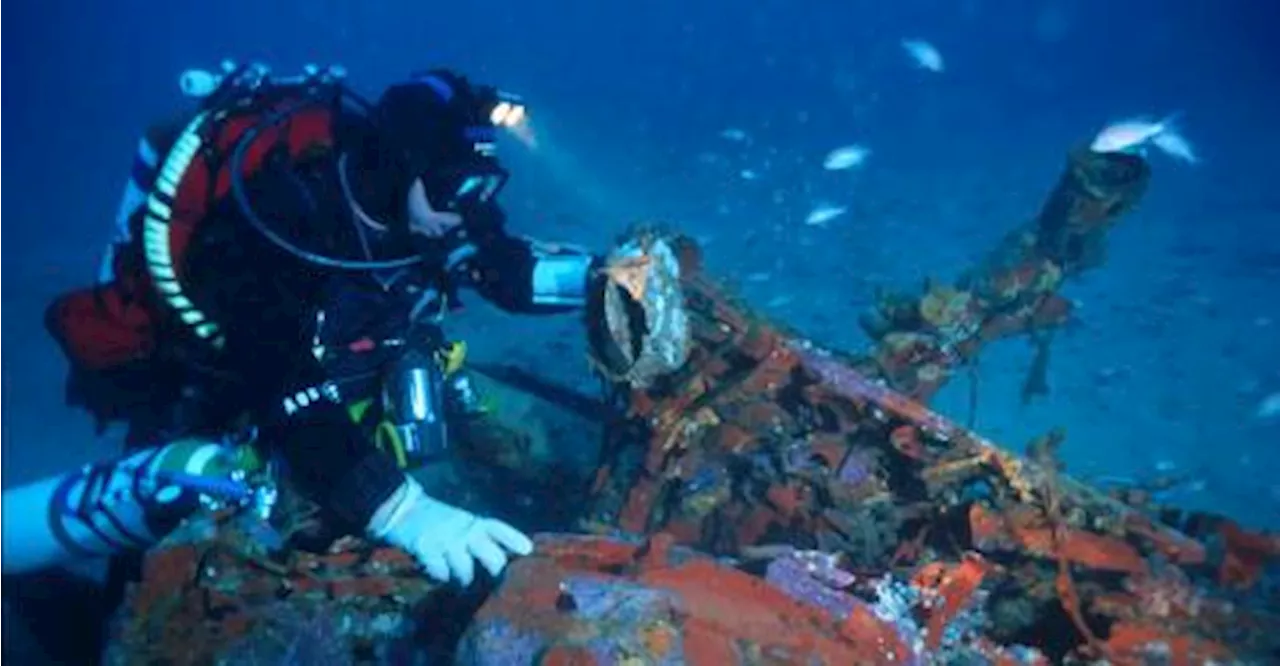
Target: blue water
[{"x": 1176, "y": 343}]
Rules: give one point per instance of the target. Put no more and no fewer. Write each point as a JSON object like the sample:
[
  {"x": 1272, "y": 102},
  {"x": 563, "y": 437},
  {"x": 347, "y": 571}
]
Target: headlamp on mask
[{"x": 507, "y": 111}]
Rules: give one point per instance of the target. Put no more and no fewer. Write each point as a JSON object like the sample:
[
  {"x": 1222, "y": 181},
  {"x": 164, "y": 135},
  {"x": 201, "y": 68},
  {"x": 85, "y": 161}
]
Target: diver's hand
[{"x": 444, "y": 538}]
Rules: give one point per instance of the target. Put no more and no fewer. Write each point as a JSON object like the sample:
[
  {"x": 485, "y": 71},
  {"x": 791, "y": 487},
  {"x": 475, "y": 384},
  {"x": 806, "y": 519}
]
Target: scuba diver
[{"x": 284, "y": 252}]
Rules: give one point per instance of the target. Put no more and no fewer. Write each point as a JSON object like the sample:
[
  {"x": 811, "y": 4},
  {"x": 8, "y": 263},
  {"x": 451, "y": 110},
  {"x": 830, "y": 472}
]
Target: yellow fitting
[
  {"x": 387, "y": 439},
  {"x": 453, "y": 357}
]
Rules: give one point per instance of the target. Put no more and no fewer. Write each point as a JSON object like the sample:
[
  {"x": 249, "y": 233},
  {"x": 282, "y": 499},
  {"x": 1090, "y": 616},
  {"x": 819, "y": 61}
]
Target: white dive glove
[{"x": 444, "y": 538}]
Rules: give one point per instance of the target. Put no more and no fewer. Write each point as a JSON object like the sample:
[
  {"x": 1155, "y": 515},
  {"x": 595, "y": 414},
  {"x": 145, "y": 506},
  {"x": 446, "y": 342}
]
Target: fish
[
  {"x": 824, "y": 213},
  {"x": 1269, "y": 408},
  {"x": 1127, "y": 135},
  {"x": 846, "y": 157},
  {"x": 925, "y": 55},
  {"x": 1133, "y": 136},
  {"x": 1175, "y": 145},
  {"x": 733, "y": 134}
]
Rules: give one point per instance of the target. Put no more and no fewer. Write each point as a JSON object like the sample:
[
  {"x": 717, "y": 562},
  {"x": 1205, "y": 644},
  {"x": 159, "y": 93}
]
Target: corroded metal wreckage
[{"x": 758, "y": 500}]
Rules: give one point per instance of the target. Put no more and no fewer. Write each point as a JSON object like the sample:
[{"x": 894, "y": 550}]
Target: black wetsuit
[{"x": 269, "y": 304}]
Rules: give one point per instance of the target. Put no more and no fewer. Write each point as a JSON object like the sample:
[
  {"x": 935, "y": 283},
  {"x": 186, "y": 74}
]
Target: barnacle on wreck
[{"x": 950, "y": 312}]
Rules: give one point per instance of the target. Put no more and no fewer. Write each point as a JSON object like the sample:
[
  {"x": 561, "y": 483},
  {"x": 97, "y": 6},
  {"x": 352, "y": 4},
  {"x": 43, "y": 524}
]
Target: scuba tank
[
  {"x": 202, "y": 83},
  {"x": 122, "y": 505}
]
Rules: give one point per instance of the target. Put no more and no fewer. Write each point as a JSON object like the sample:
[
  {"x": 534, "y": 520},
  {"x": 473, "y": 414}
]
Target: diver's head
[{"x": 429, "y": 161}]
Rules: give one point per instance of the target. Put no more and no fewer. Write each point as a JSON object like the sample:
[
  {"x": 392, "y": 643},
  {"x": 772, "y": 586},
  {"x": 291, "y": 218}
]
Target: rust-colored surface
[
  {"x": 213, "y": 596},
  {"x": 768, "y": 502},
  {"x": 594, "y": 601},
  {"x": 217, "y": 593}
]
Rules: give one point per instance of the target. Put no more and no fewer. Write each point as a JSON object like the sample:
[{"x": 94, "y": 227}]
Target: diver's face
[{"x": 423, "y": 219}]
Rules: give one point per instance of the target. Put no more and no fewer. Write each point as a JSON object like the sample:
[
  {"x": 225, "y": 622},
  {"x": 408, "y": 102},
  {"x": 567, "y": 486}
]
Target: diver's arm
[
  {"x": 327, "y": 455},
  {"x": 111, "y": 507},
  {"x": 334, "y": 463},
  {"x": 525, "y": 276}
]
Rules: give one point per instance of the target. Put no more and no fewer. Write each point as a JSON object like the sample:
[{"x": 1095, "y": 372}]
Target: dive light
[
  {"x": 413, "y": 398},
  {"x": 507, "y": 110}
]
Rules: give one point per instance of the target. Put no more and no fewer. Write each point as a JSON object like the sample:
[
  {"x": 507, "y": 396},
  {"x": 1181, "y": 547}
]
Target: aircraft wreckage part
[
  {"x": 921, "y": 341},
  {"x": 830, "y": 447},
  {"x": 761, "y": 440},
  {"x": 646, "y": 328},
  {"x": 1095, "y": 191}
]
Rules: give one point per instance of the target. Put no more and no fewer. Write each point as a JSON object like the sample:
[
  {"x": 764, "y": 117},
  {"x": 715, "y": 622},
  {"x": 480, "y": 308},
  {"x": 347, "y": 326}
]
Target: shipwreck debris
[{"x": 762, "y": 439}]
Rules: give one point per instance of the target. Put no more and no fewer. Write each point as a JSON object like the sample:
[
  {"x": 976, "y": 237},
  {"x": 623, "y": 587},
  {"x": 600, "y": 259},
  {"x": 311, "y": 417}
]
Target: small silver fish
[
  {"x": 925, "y": 55},
  {"x": 1133, "y": 136},
  {"x": 1176, "y": 146},
  {"x": 1127, "y": 135},
  {"x": 1269, "y": 408},
  {"x": 824, "y": 213},
  {"x": 846, "y": 157}
]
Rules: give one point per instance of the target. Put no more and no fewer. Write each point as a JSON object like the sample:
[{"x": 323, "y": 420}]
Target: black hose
[{"x": 242, "y": 199}]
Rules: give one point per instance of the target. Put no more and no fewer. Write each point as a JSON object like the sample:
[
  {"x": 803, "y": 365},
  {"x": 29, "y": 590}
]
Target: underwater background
[{"x": 714, "y": 117}]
